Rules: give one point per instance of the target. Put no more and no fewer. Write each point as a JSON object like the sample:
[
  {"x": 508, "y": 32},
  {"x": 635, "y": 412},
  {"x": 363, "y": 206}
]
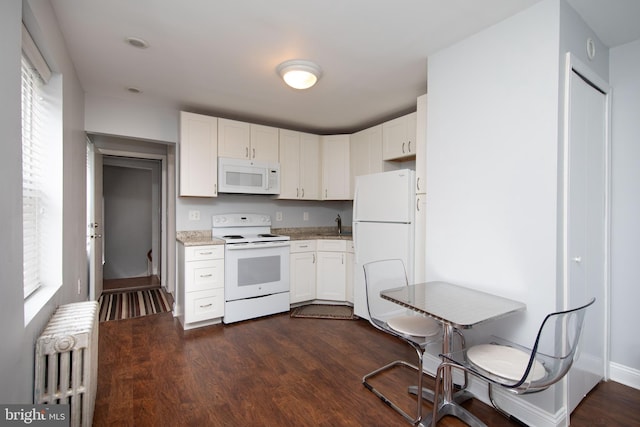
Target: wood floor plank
[{"x": 277, "y": 371}]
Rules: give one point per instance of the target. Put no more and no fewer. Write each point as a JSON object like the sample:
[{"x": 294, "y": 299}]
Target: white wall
[
  {"x": 17, "y": 349},
  {"x": 492, "y": 163},
  {"x": 625, "y": 232},
  {"x": 492, "y": 175}
]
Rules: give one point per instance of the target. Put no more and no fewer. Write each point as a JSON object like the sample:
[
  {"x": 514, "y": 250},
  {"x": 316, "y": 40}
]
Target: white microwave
[{"x": 248, "y": 176}]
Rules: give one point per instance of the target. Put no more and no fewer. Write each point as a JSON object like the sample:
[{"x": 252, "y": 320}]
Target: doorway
[
  {"x": 586, "y": 221},
  {"x": 136, "y": 171},
  {"x": 131, "y": 198}
]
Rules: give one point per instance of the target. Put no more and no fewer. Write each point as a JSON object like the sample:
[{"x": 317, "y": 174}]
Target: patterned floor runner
[{"x": 126, "y": 305}]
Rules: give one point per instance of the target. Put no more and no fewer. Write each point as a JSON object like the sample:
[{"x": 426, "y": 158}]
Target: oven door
[{"x": 256, "y": 269}]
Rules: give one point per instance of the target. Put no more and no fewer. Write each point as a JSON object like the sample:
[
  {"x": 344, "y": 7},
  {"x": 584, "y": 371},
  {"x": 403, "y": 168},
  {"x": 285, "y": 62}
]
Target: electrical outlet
[
  {"x": 305, "y": 216},
  {"x": 278, "y": 216},
  {"x": 194, "y": 215}
]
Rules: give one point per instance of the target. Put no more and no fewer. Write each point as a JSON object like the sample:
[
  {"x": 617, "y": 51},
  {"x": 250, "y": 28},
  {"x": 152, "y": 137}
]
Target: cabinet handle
[
  {"x": 302, "y": 193},
  {"x": 342, "y": 259},
  {"x": 203, "y": 276},
  {"x": 418, "y": 204},
  {"x": 297, "y": 192},
  {"x": 314, "y": 259},
  {"x": 205, "y": 253},
  {"x": 326, "y": 194},
  {"x": 418, "y": 183},
  {"x": 215, "y": 189},
  {"x": 403, "y": 144},
  {"x": 246, "y": 152},
  {"x": 409, "y": 146},
  {"x": 304, "y": 246},
  {"x": 206, "y": 305},
  {"x": 254, "y": 153}
]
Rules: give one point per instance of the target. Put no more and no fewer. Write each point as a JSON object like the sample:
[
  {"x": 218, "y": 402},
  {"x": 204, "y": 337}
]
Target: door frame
[
  {"x": 573, "y": 64},
  {"x": 167, "y": 217}
]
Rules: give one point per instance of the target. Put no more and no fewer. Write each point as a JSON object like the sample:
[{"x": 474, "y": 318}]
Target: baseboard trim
[{"x": 624, "y": 375}]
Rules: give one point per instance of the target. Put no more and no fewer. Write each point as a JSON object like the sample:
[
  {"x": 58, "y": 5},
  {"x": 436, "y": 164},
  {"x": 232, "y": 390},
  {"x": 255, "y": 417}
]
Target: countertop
[{"x": 203, "y": 237}]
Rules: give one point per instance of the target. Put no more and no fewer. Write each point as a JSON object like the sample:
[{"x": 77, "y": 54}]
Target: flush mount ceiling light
[
  {"x": 299, "y": 74},
  {"x": 137, "y": 42}
]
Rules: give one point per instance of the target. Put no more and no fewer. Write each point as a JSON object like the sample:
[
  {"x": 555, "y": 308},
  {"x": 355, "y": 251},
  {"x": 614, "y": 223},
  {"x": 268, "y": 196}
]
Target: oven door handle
[{"x": 256, "y": 245}]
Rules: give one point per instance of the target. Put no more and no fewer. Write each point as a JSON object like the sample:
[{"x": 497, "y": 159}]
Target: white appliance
[
  {"x": 256, "y": 266},
  {"x": 248, "y": 176},
  {"x": 383, "y": 225}
]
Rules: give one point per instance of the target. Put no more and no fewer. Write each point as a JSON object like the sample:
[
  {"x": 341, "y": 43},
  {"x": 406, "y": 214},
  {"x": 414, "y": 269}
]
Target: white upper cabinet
[
  {"x": 241, "y": 140},
  {"x": 198, "y": 155},
  {"x": 299, "y": 165},
  {"x": 336, "y": 179},
  {"x": 421, "y": 145},
  {"x": 366, "y": 153},
  {"x": 399, "y": 138}
]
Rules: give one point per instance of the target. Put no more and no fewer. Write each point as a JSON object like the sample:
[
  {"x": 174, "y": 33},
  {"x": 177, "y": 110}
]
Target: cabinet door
[
  {"x": 309, "y": 164},
  {"x": 421, "y": 145},
  {"x": 398, "y": 137},
  {"x": 303, "y": 276},
  {"x": 264, "y": 144},
  {"x": 289, "y": 164},
  {"x": 335, "y": 168},
  {"x": 331, "y": 276},
  {"x": 198, "y": 155},
  {"x": 234, "y": 139},
  {"x": 365, "y": 153}
]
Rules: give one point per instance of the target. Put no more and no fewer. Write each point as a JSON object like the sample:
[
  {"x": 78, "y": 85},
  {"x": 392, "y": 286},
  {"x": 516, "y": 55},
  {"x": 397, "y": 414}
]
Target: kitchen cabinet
[
  {"x": 302, "y": 271},
  {"x": 331, "y": 278},
  {"x": 351, "y": 262},
  {"x": 399, "y": 138},
  {"x": 241, "y": 140},
  {"x": 198, "y": 151},
  {"x": 336, "y": 179},
  {"x": 365, "y": 153},
  {"x": 200, "y": 293},
  {"x": 421, "y": 144},
  {"x": 299, "y": 165}
]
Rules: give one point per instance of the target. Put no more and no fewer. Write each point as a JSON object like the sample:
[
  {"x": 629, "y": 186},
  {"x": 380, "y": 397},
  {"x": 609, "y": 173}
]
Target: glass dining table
[{"x": 456, "y": 307}]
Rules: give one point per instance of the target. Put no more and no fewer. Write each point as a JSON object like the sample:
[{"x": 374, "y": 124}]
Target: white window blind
[{"x": 33, "y": 202}]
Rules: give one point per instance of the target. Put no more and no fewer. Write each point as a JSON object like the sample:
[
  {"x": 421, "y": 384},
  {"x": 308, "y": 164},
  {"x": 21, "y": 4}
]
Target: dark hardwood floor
[{"x": 278, "y": 371}]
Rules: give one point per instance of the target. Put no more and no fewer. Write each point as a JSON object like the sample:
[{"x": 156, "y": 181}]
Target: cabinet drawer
[
  {"x": 201, "y": 275},
  {"x": 204, "y": 305},
  {"x": 303, "y": 246},
  {"x": 196, "y": 253},
  {"x": 332, "y": 245}
]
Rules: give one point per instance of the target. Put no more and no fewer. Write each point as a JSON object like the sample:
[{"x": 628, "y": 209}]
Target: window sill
[{"x": 36, "y": 301}]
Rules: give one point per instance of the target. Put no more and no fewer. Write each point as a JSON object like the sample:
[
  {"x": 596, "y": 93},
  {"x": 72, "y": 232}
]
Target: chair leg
[
  {"x": 502, "y": 411},
  {"x": 388, "y": 402}
]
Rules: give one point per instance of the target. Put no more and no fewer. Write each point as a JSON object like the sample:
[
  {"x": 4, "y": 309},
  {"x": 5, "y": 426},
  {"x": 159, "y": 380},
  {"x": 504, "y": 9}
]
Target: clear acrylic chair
[
  {"x": 416, "y": 330},
  {"x": 519, "y": 369}
]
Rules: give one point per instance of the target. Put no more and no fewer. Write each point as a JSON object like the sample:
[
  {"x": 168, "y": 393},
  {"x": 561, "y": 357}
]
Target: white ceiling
[{"x": 220, "y": 57}]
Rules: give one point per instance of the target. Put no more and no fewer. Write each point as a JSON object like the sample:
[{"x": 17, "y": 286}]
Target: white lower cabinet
[
  {"x": 302, "y": 268},
  {"x": 321, "y": 270},
  {"x": 331, "y": 278},
  {"x": 200, "y": 293}
]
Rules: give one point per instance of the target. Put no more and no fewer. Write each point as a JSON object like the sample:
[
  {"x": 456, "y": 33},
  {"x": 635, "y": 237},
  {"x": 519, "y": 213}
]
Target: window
[
  {"x": 42, "y": 131},
  {"x": 33, "y": 204}
]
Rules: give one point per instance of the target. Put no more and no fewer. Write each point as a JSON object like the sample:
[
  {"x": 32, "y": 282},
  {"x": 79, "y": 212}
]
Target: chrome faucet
[{"x": 339, "y": 221}]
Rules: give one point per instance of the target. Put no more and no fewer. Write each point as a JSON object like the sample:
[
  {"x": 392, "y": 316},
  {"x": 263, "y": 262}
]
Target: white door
[
  {"x": 95, "y": 226},
  {"x": 586, "y": 229}
]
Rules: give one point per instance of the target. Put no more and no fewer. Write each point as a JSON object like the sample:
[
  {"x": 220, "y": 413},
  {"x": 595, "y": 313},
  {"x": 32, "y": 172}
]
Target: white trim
[
  {"x": 625, "y": 375},
  {"x": 167, "y": 237},
  {"x": 32, "y": 53}
]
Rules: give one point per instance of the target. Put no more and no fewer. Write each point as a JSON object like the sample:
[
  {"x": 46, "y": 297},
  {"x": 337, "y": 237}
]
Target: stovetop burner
[
  {"x": 233, "y": 236},
  {"x": 267, "y": 235}
]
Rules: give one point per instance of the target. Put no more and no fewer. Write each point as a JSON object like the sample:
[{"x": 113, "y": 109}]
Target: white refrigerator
[{"x": 383, "y": 225}]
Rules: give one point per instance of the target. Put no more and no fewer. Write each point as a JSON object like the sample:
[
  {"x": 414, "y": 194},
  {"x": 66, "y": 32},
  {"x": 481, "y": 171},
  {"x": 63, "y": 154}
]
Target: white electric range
[{"x": 256, "y": 264}]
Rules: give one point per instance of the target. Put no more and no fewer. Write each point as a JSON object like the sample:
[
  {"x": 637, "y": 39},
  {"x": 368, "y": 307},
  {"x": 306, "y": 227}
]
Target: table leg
[{"x": 450, "y": 400}]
